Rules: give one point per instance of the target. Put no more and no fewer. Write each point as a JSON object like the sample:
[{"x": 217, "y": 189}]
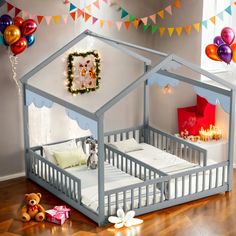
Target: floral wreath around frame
[{"x": 83, "y": 75}]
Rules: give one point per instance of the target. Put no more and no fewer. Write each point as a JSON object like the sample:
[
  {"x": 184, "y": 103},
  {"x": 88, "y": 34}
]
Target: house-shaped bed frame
[{"x": 68, "y": 187}]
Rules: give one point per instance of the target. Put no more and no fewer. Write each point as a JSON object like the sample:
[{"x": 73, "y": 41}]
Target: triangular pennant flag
[
  {"x": 110, "y": 23},
  {"x": 162, "y": 30},
  {"x": 88, "y": 9},
  {"x": 48, "y": 19},
  {"x": 17, "y": 11},
  {"x": 86, "y": 16},
  {"x": 65, "y": 18},
  {"x": 136, "y": 23},
  {"x": 169, "y": 9},
  {"x": 73, "y": 15},
  {"x": 102, "y": 22},
  {"x": 24, "y": 14},
  {"x": 106, "y": 1},
  {"x": 80, "y": 13},
  {"x": 1, "y": 39},
  {"x": 178, "y": 30},
  {"x": 124, "y": 13},
  {"x": 145, "y": 27},
  {"x": 72, "y": 7},
  {"x": 39, "y": 18},
  {"x": 221, "y": 15},
  {"x": 66, "y": 2},
  {"x": 204, "y": 23},
  {"x": 177, "y": 4},
  {"x": 154, "y": 28},
  {"x": 9, "y": 7},
  {"x": 96, "y": 4},
  {"x": 144, "y": 20},
  {"x": 196, "y": 26},
  {"x": 161, "y": 13},
  {"x": 132, "y": 18},
  {"x": 56, "y": 19},
  {"x": 118, "y": 25},
  {"x": 213, "y": 20},
  {"x": 127, "y": 24},
  {"x": 170, "y": 31},
  {"x": 235, "y": 3},
  {"x": 153, "y": 18},
  {"x": 229, "y": 10},
  {"x": 188, "y": 29},
  {"x": 94, "y": 20}
]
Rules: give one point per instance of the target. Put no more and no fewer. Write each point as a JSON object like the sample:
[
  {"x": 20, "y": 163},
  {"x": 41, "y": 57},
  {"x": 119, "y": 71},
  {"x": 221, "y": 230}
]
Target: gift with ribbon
[{"x": 58, "y": 214}]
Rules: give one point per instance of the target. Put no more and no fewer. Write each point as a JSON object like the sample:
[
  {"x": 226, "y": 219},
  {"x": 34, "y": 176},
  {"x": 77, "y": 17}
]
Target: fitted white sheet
[
  {"x": 114, "y": 178},
  {"x": 171, "y": 164}
]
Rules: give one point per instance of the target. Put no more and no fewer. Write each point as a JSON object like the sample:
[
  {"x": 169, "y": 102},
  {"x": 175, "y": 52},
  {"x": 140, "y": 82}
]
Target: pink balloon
[{"x": 227, "y": 34}]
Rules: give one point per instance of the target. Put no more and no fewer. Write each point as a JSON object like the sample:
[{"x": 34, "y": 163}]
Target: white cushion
[
  {"x": 128, "y": 145},
  {"x": 50, "y": 149}
]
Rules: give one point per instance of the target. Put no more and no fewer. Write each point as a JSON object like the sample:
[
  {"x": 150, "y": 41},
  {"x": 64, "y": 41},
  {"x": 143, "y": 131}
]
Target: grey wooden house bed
[{"x": 122, "y": 179}]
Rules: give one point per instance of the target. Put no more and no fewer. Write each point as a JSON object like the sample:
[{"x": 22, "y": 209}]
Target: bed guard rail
[
  {"x": 119, "y": 135},
  {"x": 177, "y": 146},
  {"x": 130, "y": 165},
  {"x": 154, "y": 194},
  {"x": 43, "y": 170}
]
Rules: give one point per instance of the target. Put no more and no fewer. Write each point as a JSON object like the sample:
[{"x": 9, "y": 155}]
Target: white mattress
[
  {"x": 161, "y": 160},
  {"x": 114, "y": 178},
  {"x": 171, "y": 164}
]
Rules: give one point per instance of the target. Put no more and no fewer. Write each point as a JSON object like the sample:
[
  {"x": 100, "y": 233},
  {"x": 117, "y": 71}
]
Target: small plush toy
[
  {"x": 32, "y": 209},
  {"x": 92, "y": 161}
]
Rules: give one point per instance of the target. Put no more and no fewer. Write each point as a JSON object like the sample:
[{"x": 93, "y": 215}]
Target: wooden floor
[{"x": 214, "y": 215}]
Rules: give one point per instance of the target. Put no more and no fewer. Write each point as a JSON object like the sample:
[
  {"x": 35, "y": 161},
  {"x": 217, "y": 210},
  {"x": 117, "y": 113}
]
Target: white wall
[{"x": 52, "y": 37}]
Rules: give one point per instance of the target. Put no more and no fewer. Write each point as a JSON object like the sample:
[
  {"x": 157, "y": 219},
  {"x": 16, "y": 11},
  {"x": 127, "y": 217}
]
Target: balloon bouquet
[
  {"x": 17, "y": 33},
  {"x": 223, "y": 48}
]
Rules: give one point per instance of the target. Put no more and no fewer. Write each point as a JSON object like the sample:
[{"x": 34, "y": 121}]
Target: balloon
[
  {"x": 5, "y": 20},
  {"x": 211, "y": 52},
  {"x": 218, "y": 40},
  {"x": 18, "y": 21},
  {"x": 30, "y": 40},
  {"x": 12, "y": 34},
  {"x": 227, "y": 34},
  {"x": 29, "y": 27},
  {"x": 19, "y": 46},
  {"x": 233, "y": 47},
  {"x": 225, "y": 53}
]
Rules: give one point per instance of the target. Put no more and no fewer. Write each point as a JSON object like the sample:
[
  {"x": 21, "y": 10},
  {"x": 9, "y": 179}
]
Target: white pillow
[
  {"x": 70, "y": 157},
  {"x": 50, "y": 149},
  {"x": 128, "y": 145}
]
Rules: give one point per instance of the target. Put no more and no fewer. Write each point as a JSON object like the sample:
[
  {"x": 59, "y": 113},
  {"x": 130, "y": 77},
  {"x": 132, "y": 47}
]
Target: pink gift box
[
  {"x": 55, "y": 217},
  {"x": 64, "y": 210},
  {"x": 58, "y": 214}
]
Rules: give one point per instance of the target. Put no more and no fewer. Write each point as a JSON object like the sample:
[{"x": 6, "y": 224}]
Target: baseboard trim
[{"x": 13, "y": 176}]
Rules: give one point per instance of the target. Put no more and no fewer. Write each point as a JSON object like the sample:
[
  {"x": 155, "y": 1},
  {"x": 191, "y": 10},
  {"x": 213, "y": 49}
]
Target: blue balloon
[
  {"x": 30, "y": 40},
  {"x": 2, "y": 41}
]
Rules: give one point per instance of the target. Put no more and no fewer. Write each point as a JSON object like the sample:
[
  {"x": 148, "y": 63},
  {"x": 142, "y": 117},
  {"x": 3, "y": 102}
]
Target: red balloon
[
  {"x": 19, "y": 46},
  {"x": 18, "y": 21},
  {"x": 28, "y": 27}
]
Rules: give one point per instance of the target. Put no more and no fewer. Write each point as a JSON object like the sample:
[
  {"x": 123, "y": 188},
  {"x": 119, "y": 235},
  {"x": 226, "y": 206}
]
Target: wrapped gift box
[{"x": 58, "y": 214}]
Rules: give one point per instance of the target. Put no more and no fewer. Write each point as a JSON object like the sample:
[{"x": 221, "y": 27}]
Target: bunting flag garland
[{"x": 147, "y": 23}]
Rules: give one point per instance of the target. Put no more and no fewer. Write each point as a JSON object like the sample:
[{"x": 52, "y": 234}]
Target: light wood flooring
[{"x": 210, "y": 216}]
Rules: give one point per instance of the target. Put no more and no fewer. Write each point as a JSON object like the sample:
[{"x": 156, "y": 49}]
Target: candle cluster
[{"x": 213, "y": 133}]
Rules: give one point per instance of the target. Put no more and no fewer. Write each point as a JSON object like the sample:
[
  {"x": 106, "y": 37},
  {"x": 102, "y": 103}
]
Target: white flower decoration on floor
[{"x": 124, "y": 219}]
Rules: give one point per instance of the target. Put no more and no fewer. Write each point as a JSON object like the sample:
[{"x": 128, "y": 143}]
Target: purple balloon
[
  {"x": 5, "y": 20},
  {"x": 218, "y": 40},
  {"x": 225, "y": 53}
]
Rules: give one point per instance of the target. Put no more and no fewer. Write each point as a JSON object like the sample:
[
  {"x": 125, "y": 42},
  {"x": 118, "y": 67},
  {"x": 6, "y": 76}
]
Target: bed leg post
[{"x": 231, "y": 140}]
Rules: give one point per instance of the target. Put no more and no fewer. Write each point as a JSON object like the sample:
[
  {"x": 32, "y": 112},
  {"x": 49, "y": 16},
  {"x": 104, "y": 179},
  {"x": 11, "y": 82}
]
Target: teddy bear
[{"x": 32, "y": 209}]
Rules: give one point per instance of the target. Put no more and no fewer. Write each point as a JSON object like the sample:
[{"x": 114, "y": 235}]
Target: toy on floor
[
  {"x": 92, "y": 161},
  {"x": 32, "y": 209}
]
